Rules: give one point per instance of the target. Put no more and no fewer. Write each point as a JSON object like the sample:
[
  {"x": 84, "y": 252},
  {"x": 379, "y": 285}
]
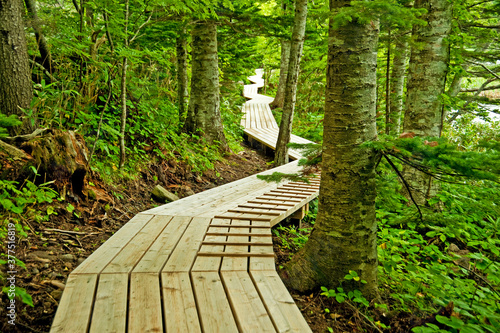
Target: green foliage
[
  {"x": 442, "y": 159},
  {"x": 292, "y": 238},
  {"x": 6, "y": 122},
  {"x": 20, "y": 293}
]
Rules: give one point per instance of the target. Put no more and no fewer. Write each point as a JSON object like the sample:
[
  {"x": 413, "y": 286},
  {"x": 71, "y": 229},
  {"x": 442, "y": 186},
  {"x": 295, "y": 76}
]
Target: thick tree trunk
[
  {"x": 345, "y": 234},
  {"x": 16, "y": 89},
  {"x": 43, "y": 47},
  {"x": 285, "y": 60},
  {"x": 399, "y": 64},
  {"x": 426, "y": 82},
  {"x": 298, "y": 36},
  {"x": 203, "y": 117},
  {"x": 182, "y": 76}
]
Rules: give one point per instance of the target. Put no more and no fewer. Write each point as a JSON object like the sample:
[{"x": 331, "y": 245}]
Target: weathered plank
[
  {"x": 79, "y": 291},
  {"x": 179, "y": 306},
  {"x": 213, "y": 307},
  {"x": 249, "y": 311},
  {"x": 110, "y": 308}
]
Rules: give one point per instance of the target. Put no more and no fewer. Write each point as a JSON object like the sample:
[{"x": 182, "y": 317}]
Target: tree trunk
[
  {"x": 41, "y": 41},
  {"x": 285, "y": 60},
  {"x": 298, "y": 36},
  {"x": 182, "y": 76},
  {"x": 426, "y": 82},
  {"x": 123, "y": 122},
  {"x": 388, "y": 124},
  {"x": 399, "y": 63},
  {"x": 203, "y": 117},
  {"x": 344, "y": 237},
  {"x": 16, "y": 89}
]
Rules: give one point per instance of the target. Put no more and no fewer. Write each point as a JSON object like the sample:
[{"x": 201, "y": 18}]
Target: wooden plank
[
  {"x": 291, "y": 192},
  {"x": 250, "y": 314},
  {"x": 157, "y": 255},
  {"x": 257, "y": 262},
  {"x": 179, "y": 305},
  {"x": 236, "y": 234},
  {"x": 238, "y": 262},
  {"x": 241, "y": 226},
  {"x": 230, "y": 257},
  {"x": 110, "y": 308},
  {"x": 96, "y": 262},
  {"x": 234, "y": 217},
  {"x": 182, "y": 257},
  {"x": 256, "y": 212},
  {"x": 278, "y": 197},
  {"x": 279, "y": 304},
  {"x": 132, "y": 252},
  {"x": 235, "y": 243},
  {"x": 145, "y": 313},
  {"x": 79, "y": 291},
  {"x": 212, "y": 263},
  {"x": 273, "y": 202},
  {"x": 263, "y": 207},
  {"x": 283, "y": 195},
  {"x": 213, "y": 307}
]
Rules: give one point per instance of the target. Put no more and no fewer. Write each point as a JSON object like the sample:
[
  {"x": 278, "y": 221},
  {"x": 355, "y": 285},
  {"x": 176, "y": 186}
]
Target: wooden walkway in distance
[
  {"x": 259, "y": 123},
  {"x": 204, "y": 263}
]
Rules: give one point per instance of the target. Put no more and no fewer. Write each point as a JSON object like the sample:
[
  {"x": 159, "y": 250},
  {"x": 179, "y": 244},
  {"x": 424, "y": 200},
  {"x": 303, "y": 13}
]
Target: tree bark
[
  {"x": 344, "y": 237},
  {"x": 285, "y": 60},
  {"x": 16, "y": 91},
  {"x": 298, "y": 36},
  {"x": 182, "y": 76},
  {"x": 43, "y": 47},
  {"x": 426, "y": 82},
  {"x": 399, "y": 64},
  {"x": 203, "y": 117},
  {"x": 123, "y": 119}
]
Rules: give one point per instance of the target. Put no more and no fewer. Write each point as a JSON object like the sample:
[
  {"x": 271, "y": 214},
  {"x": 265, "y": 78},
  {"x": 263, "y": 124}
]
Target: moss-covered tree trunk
[
  {"x": 298, "y": 36},
  {"x": 345, "y": 234},
  {"x": 203, "y": 117},
  {"x": 399, "y": 64},
  {"x": 182, "y": 76},
  {"x": 426, "y": 82},
  {"x": 285, "y": 60},
  {"x": 16, "y": 91}
]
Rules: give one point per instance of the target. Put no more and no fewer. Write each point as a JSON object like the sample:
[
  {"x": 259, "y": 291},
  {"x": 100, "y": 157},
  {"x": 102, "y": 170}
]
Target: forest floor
[{"x": 54, "y": 248}]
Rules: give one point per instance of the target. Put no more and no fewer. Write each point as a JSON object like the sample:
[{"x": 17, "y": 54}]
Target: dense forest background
[{"x": 99, "y": 97}]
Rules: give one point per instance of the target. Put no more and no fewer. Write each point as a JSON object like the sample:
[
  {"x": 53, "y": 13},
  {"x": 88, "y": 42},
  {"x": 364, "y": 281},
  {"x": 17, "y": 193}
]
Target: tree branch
[{"x": 407, "y": 186}]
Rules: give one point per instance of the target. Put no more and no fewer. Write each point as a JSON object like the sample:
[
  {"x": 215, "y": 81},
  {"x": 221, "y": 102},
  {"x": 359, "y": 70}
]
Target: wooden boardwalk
[
  {"x": 204, "y": 263},
  {"x": 259, "y": 123}
]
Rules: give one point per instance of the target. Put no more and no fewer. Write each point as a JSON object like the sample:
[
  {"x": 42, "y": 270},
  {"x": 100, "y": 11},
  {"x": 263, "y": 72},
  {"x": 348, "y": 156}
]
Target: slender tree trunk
[
  {"x": 298, "y": 36},
  {"x": 388, "y": 123},
  {"x": 399, "y": 64},
  {"x": 285, "y": 60},
  {"x": 16, "y": 89},
  {"x": 40, "y": 38},
  {"x": 123, "y": 122},
  {"x": 344, "y": 237},
  {"x": 182, "y": 77},
  {"x": 426, "y": 82},
  {"x": 203, "y": 117}
]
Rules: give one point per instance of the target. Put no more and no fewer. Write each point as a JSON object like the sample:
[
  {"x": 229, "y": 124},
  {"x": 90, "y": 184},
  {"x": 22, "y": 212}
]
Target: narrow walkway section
[
  {"x": 259, "y": 122},
  {"x": 204, "y": 263}
]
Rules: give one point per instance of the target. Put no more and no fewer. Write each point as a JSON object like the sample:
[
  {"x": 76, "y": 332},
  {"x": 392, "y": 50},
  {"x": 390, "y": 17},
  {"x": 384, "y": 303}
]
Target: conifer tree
[
  {"x": 344, "y": 237},
  {"x": 16, "y": 90},
  {"x": 426, "y": 82}
]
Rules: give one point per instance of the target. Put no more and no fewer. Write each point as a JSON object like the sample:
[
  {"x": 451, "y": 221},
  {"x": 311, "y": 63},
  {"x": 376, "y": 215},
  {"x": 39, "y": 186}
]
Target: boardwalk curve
[{"x": 204, "y": 263}]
